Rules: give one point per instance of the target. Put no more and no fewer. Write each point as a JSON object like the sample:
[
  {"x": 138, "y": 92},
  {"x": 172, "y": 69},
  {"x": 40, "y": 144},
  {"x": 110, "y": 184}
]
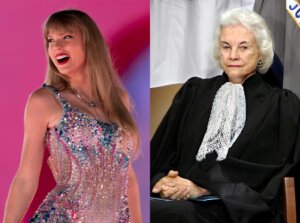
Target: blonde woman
[{"x": 82, "y": 116}]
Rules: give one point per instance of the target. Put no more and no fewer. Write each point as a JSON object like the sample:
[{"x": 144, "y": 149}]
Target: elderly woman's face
[{"x": 238, "y": 52}]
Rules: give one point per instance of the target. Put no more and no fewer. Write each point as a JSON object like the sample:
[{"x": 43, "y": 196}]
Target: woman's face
[
  {"x": 67, "y": 51},
  {"x": 238, "y": 52}
]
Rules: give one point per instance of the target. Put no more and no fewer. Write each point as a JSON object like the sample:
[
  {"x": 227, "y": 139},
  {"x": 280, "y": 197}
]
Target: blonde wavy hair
[{"x": 105, "y": 82}]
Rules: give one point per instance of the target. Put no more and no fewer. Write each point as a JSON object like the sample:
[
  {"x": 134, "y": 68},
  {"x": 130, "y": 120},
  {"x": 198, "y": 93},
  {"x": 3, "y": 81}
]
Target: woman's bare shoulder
[
  {"x": 42, "y": 97},
  {"x": 43, "y": 102}
]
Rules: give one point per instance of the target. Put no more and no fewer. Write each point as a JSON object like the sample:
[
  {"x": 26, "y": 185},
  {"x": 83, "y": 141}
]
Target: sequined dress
[{"x": 90, "y": 166}]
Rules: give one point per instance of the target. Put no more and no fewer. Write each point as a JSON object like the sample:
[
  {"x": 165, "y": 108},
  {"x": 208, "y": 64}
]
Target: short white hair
[{"x": 254, "y": 23}]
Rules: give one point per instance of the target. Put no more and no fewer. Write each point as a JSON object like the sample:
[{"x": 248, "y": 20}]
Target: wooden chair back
[{"x": 289, "y": 195}]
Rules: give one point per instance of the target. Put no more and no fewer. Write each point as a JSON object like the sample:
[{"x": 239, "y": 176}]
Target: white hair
[{"x": 254, "y": 23}]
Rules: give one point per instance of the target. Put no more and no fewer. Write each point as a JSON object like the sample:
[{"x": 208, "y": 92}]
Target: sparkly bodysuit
[{"x": 89, "y": 160}]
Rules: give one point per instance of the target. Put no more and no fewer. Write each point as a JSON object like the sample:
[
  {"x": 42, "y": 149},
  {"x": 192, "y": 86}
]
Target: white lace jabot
[{"x": 226, "y": 121}]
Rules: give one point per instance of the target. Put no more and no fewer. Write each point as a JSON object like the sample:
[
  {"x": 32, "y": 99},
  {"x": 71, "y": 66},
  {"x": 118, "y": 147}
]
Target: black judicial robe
[{"x": 249, "y": 179}]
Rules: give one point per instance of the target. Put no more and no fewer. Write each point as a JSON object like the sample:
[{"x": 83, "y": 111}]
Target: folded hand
[{"x": 177, "y": 188}]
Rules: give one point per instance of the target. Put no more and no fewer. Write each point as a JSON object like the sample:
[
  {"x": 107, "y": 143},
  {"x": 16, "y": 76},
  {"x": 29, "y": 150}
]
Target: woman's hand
[
  {"x": 177, "y": 188},
  {"x": 167, "y": 187}
]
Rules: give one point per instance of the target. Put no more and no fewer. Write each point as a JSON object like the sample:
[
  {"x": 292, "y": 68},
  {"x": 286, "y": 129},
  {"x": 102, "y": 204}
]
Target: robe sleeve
[{"x": 165, "y": 144}]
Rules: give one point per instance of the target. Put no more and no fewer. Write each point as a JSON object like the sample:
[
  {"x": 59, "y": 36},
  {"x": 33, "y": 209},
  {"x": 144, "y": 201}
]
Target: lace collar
[{"x": 226, "y": 121}]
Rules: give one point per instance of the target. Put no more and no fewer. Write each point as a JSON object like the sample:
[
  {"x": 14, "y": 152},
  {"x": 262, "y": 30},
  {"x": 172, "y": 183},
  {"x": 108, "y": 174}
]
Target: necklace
[{"x": 90, "y": 103}]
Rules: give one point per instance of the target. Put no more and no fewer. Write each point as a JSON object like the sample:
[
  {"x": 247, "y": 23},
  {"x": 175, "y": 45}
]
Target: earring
[{"x": 260, "y": 63}]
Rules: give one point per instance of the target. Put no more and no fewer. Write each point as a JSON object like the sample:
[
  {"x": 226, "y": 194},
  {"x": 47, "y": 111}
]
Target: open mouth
[{"x": 62, "y": 59}]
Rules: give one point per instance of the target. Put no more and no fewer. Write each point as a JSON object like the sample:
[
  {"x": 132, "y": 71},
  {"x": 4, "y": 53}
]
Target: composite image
[{"x": 150, "y": 111}]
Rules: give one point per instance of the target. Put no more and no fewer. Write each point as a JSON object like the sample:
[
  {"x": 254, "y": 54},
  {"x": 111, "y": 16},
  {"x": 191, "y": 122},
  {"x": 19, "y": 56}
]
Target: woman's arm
[
  {"x": 25, "y": 182},
  {"x": 134, "y": 197}
]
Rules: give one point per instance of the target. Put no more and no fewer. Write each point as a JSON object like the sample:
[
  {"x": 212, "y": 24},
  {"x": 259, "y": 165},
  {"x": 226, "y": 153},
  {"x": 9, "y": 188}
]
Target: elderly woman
[{"x": 235, "y": 136}]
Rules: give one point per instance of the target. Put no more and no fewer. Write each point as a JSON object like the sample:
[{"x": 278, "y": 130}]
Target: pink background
[{"x": 125, "y": 25}]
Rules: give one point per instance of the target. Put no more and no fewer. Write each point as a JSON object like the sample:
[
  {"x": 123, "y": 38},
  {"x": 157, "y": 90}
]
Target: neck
[
  {"x": 240, "y": 80},
  {"x": 82, "y": 85}
]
